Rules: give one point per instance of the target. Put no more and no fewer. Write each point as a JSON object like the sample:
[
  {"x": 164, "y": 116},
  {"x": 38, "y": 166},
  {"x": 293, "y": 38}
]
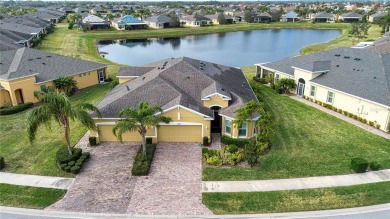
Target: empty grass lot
[
  {"x": 306, "y": 142},
  {"x": 28, "y": 197},
  {"x": 297, "y": 200}
]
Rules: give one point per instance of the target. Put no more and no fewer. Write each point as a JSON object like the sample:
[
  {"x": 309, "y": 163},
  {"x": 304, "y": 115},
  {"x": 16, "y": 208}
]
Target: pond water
[{"x": 242, "y": 48}]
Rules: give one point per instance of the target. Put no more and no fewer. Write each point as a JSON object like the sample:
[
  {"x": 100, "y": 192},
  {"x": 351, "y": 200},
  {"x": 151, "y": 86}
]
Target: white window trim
[
  {"x": 246, "y": 131},
  {"x": 315, "y": 90},
  {"x": 327, "y": 97},
  {"x": 224, "y": 128}
]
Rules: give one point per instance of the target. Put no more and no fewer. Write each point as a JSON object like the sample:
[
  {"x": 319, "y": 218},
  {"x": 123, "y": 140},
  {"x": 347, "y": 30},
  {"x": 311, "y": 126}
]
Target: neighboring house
[
  {"x": 214, "y": 18},
  {"x": 374, "y": 17},
  {"x": 264, "y": 17},
  {"x": 93, "y": 22},
  {"x": 29, "y": 21},
  {"x": 381, "y": 45},
  {"x": 26, "y": 70},
  {"x": 195, "y": 20},
  {"x": 291, "y": 16},
  {"x": 97, "y": 10},
  {"x": 19, "y": 28},
  {"x": 80, "y": 10},
  {"x": 353, "y": 80},
  {"x": 159, "y": 21},
  {"x": 324, "y": 17},
  {"x": 350, "y": 17},
  {"x": 128, "y": 22},
  {"x": 67, "y": 10},
  {"x": 115, "y": 10},
  {"x": 200, "y": 97},
  {"x": 14, "y": 39}
]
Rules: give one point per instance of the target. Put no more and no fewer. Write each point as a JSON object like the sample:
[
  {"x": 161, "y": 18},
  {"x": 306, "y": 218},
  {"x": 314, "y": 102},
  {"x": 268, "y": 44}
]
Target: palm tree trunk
[
  {"x": 143, "y": 143},
  {"x": 67, "y": 131}
]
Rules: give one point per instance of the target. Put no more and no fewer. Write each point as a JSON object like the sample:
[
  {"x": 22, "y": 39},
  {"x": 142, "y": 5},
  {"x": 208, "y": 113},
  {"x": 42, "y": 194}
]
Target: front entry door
[
  {"x": 301, "y": 89},
  {"x": 101, "y": 76}
]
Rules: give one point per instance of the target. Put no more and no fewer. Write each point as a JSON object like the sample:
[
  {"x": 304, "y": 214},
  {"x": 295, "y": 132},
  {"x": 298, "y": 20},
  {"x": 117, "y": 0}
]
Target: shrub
[
  {"x": 260, "y": 80},
  {"x": 71, "y": 163},
  {"x": 86, "y": 154},
  {"x": 375, "y": 166},
  {"x": 92, "y": 141},
  {"x": 2, "y": 163},
  {"x": 359, "y": 165},
  {"x": 67, "y": 169},
  {"x": 355, "y": 116},
  {"x": 334, "y": 108},
  {"x": 339, "y": 110},
  {"x": 149, "y": 140},
  {"x": 205, "y": 151},
  {"x": 350, "y": 114},
  {"x": 214, "y": 161},
  {"x": 63, "y": 156},
  {"x": 233, "y": 158},
  {"x": 62, "y": 166},
  {"x": 238, "y": 142},
  {"x": 75, "y": 169},
  {"x": 251, "y": 153},
  {"x": 15, "y": 109},
  {"x": 79, "y": 163},
  {"x": 206, "y": 141},
  {"x": 345, "y": 112},
  {"x": 232, "y": 148},
  {"x": 142, "y": 163},
  {"x": 360, "y": 119},
  {"x": 377, "y": 126},
  {"x": 371, "y": 123},
  {"x": 364, "y": 120},
  {"x": 84, "y": 157}
]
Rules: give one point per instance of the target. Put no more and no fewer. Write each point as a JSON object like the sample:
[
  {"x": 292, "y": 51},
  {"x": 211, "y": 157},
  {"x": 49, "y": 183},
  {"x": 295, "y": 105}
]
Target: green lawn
[
  {"x": 22, "y": 157},
  {"x": 298, "y": 200},
  {"x": 28, "y": 197},
  {"x": 307, "y": 142}
]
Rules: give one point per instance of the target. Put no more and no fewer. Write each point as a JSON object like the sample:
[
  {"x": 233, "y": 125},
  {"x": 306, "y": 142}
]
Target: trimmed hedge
[
  {"x": 359, "y": 165},
  {"x": 206, "y": 141},
  {"x": 149, "y": 140},
  {"x": 374, "y": 166},
  {"x": 16, "y": 109},
  {"x": 71, "y": 164},
  {"x": 2, "y": 163},
  {"x": 142, "y": 163},
  {"x": 238, "y": 142},
  {"x": 64, "y": 157},
  {"x": 75, "y": 169},
  {"x": 92, "y": 141}
]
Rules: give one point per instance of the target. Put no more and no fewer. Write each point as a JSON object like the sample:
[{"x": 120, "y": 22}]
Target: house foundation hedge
[
  {"x": 16, "y": 109},
  {"x": 2, "y": 163},
  {"x": 234, "y": 141},
  {"x": 359, "y": 165},
  {"x": 142, "y": 163}
]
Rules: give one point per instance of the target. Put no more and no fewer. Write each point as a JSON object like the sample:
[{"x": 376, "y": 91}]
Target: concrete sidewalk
[
  {"x": 36, "y": 181},
  {"x": 296, "y": 183}
]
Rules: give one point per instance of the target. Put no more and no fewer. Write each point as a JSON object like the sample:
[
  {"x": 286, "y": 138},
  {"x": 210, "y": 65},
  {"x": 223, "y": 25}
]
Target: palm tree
[
  {"x": 137, "y": 120},
  {"x": 65, "y": 84},
  {"x": 56, "y": 105}
]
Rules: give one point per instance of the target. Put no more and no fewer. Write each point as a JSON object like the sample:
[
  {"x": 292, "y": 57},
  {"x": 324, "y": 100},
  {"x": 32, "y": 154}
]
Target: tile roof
[
  {"x": 351, "y": 15},
  {"x": 179, "y": 81},
  {"x": 93, "y": 19},
  {"x": 195, "y": 17},
  {"x": 158, "y": 19},
  {"x": 322, "y": 15},
  {"x": 358, "y": 72},
  {"x": 128, "y": 19},
  {"x": 44, "y": 65}
]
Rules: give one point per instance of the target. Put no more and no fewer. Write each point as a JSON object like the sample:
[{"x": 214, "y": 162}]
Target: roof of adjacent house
[
  {"x": 351, "y": 15},
  {"x": 359, "y": 72},
  {"x": 29, "y": 21},
  {"x": 379, "y": 14},
  {"x": 128, "y": 19},
  {"x": 93, "y": 19},
  {"x": 4, "y": 46},
  {"x": 179, "y": 81},
  {"x": 80, "y": 10},
  {"x": 290, "y": 14},
  {"x": 265, "y": 14},
  {"x": 195, "y": 17},
  {"x": 46, "y": 66},
  {"x": 158, "y": 19},
  {"x": 322, "y": 15},
  {"x": 19, "y": 28},
  {"x": 381, "y": 45},
  {"x": 215, "y": 16}
]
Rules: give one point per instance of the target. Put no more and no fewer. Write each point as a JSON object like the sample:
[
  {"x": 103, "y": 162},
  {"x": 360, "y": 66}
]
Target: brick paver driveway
[
  {"x": 174, "y": 183},
  {"x": 105, "y": 184}
]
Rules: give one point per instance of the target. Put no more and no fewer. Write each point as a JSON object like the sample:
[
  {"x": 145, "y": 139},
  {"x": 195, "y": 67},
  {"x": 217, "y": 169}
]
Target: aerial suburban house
[
  {"x": 378, "y": 15},
  {"x": 80, "y": 10},
  {"x": 67, "y": 10},
  {"x": 323, "y": 17},
  {"x": 291, "y": 16},
  {"x": 13, "y": 40},
  {"x": 158, "y": 21},
  {"x": 128, "y": 22},
  {"x": 353, "y": 80},
  {"x": 97, "y": 10},
  {"x": 350, "y": 17},
  {"x": 214, "y": 18},
  {"x": 26, "y": 70},
  {"x": 200, "y": 97},
  {"x": 265, "y": 17},
  {"x": 93, "y": 22},
  {"x": 20, "y": 28},
  {"x": 195, "y": 20}
]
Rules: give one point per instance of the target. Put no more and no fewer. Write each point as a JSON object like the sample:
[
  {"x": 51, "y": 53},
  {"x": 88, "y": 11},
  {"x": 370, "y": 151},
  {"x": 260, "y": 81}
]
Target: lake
[{"x": 242, "y": 48}]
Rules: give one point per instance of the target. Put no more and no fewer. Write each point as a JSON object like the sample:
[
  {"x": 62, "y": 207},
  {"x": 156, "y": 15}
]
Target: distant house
[
  {"x": 291, "y": 16},
  {"x": 97, "y": 10},
  {"x": 13, "y": 40},
  {"x": 353, "y": 80},
  {"x": 29, "y": 21},
  {"x": 20, "y": 28},
  {"x": 115, "y": 10},
  {"x": 128, "y": 22},
  {"x": 350, "y": 17},
  {"x": 374, "y": 17},
  {"x": 93, "y": 22},
  {"x": 195, "y": 20},
  {"x": 80, "y": 10},
  {"x": 67, "y": 10},
  {"x": 324, "y": 17},
  {"x": 159, "y": 21},
  {"x": 214, "y": 18},
  {"x": 265, "y": 17},
  {"x": 26, "y": 70}
]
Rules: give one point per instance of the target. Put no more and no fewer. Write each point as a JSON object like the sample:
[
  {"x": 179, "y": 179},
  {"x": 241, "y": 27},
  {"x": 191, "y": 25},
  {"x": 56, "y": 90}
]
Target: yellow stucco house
[
  {"x": 353, "y": 80},
  {"x": 26, "y": 70},
  {"x": 200, "y": 97}
]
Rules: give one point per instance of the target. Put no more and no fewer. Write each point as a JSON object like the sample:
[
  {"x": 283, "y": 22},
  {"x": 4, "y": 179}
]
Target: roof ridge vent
[
  {"x": 127, "y": 87},
  {"x": 356, "y": 59},
  {"x": 347, "y": 57},
  {"x": 337, "y": 55}
]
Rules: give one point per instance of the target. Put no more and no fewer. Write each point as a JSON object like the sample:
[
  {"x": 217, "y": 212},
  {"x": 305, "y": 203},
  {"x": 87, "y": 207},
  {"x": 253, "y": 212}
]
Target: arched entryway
[
  {"x": 216, "y": 123},
  {"x": 301, "y": 87},
  {"x": 19, "y": 96}
]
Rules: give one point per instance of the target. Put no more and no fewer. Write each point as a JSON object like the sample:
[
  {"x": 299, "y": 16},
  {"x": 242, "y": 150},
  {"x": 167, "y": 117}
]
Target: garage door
[
  {"x": 105, "y": 134},
  {"x": 180, "y": 133}
]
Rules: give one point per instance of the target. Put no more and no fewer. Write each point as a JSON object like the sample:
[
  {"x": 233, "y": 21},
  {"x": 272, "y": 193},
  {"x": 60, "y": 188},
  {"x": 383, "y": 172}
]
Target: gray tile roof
[
  {"x": 133, "y": 71},
  {"x": 19, "y": 28},
  {"x": 195, "y": 17},
  {"x": 351, "y": 15},
  {"x": 94, "y": 19},
  {"x": 215, "y": 16},
  {"x": 179, "y": 81},
  {"x": 158, "y": 19},
  {"x": 358, "y": 72},
  {"x": 381, "y": 45},
  {"x": 44, "y": 65},
  {"x": 323, "y": 15}
]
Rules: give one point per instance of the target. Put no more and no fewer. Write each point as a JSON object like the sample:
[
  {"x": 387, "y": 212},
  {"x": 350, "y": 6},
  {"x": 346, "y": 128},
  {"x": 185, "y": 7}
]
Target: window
[
  {"x": 312, "y": 90},
  {"x": 84, "y": 74},
  {"x": 43, "y": 87},
  {"x": 330, "y": 97},
  {"x": 228, "y": 126},
  {"x": 242, "y": 130},
  {"x": 277, "y": 76}
]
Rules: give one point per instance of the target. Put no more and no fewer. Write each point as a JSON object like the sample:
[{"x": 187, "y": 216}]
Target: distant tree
[
  {"x": 70, "y": 25},
  {"x": 384, "y": 22},
  {"x": 263, "y": 8},
  {"x": 248, "y": 16},
  {"x": 221, "y": 19},
  {"x": 173, "y": 20},
  {"x": 142, "y": 13},
  {"x": 359, "y": 30},
  {"x": 110, "y": 16}
]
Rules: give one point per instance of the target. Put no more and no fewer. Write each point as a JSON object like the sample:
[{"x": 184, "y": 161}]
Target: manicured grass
[
  {"x": 298, "y": 200},
  {"x": 307, "y": 142},
  {"x": 28, "y": 197},
  {"x": 39, "y": 158}
]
